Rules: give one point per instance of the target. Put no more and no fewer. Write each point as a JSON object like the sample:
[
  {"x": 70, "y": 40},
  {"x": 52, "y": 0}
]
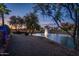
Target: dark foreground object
[{"x": 21, "y": 45}]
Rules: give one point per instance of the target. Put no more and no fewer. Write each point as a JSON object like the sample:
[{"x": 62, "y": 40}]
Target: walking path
[{"x": 21, "y": 45}]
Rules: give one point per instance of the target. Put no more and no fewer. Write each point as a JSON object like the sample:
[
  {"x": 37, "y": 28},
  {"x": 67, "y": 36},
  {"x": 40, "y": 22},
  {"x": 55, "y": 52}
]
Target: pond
[{"x": 63, "y": 39}]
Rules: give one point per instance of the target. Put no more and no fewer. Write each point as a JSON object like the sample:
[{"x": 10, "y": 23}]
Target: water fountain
[{"x": 46, "y": 31}]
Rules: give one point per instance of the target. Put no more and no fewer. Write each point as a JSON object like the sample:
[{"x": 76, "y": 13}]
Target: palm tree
[
  {"x": 3, "y": 10},
  {"x": 31, "y": 22}
]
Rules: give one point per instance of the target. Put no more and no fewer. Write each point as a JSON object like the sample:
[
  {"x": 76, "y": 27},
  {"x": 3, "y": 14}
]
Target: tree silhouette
[
  {"x": 55, "y": 12},
  {"x": 3, "y": 10},
  {"x": 31, "y": 22}
]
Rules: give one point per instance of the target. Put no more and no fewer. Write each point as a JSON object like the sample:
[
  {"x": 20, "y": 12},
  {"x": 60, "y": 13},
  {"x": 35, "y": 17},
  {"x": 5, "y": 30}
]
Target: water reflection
[
  {"x": 63, "y": 39},
  {"x": 67, "y": 41}
]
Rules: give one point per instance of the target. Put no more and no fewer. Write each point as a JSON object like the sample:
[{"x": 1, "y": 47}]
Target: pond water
[{"x": 63, "y": 39}]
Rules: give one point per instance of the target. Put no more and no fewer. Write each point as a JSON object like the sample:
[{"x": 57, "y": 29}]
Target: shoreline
[{"x": 43, "y": 32}]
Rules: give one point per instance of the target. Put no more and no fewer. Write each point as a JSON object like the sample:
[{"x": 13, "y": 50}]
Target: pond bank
[{"x": 21, "y": 45}]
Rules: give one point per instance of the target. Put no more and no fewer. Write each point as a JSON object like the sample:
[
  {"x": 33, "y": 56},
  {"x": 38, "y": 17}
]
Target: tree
[
  {"x": 13, "y": 21},
  {"x": 16, "y": 21},
  {"x": 56, "y": 12},
  {"x": 67, "y": 26},
  {"x": 31, "y": 22},
  {"x": 3, "y": 10},
  {"x": 20, "y": 22}
]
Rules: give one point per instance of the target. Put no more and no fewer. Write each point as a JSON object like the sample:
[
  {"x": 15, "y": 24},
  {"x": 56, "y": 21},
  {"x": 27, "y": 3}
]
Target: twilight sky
[{"x": 21, "y": 9}]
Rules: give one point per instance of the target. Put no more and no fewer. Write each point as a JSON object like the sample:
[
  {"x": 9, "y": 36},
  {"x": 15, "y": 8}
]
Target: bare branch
[
  {"x": 60, "y": 26},
  {"x": 69, "y": 12}
]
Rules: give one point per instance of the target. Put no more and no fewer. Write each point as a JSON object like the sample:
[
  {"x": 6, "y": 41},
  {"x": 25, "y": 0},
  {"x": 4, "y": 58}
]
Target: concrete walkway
[{"x": 21, "y": 45}]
